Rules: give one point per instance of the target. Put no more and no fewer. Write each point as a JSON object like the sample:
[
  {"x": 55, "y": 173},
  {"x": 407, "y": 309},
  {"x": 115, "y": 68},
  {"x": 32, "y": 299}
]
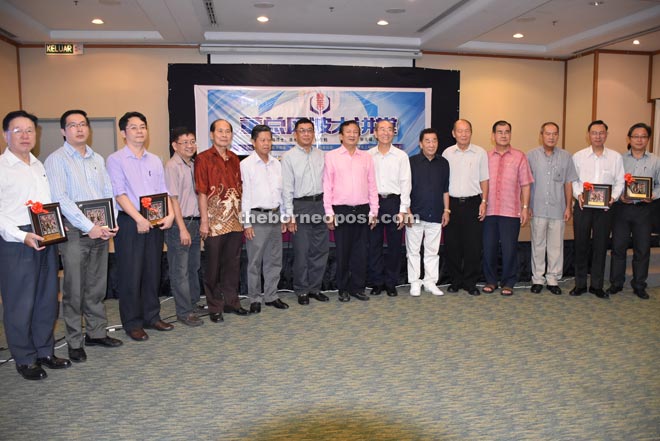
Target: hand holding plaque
[
  {"x": 154, "y": 208},
  {"x": 638, "y": 187}
]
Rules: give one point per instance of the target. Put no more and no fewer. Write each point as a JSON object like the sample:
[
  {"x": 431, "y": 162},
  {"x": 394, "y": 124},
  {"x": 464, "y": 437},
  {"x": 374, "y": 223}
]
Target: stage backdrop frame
[{"x": 445, "y": 85}]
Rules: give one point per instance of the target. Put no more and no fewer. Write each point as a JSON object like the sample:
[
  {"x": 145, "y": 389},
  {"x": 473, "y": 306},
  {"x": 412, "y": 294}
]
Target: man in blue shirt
[
  {"x": 76, "y": 173},
  {"x": 429, "y": 207}
]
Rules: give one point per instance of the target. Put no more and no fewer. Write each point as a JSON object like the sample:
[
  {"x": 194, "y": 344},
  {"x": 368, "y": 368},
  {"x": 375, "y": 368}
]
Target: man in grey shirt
[
  {"x": 302, "y": 184},
  {"x": 553, "y": 171}
]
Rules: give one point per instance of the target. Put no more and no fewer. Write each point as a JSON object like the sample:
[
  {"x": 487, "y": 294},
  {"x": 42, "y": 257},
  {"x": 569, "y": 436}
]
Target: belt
[
  {"x": 266, "y": 210},
  {"x": 350, "y": 207},
  {"x": 315, "y": 197},
  {"x": 466, "y": 199},
  {"x": 389, "y": 196},
  {"x": 191, "y": 218}
]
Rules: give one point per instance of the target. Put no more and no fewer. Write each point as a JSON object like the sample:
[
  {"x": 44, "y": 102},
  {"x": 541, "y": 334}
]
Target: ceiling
[{"x": 552, "y": 29}]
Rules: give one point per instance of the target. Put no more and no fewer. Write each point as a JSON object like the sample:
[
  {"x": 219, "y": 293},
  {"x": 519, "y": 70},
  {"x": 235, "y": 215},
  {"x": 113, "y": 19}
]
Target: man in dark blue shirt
[{"x": 429, "y": 207}]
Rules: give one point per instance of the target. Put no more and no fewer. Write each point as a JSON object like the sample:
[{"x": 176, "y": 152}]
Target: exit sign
[{"x": 64, "y": 49}]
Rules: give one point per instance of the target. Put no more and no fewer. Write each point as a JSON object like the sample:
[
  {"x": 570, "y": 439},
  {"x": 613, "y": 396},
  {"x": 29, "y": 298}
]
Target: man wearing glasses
[
  {"x": 183, "y": 241},
  {"x": 29, "y": 289},
  {"x": 595, "y": 164},
  {"x": 134, "y": 172},
  {"x": 76, "y": 173},
  {"x": 302, "y": 183}
]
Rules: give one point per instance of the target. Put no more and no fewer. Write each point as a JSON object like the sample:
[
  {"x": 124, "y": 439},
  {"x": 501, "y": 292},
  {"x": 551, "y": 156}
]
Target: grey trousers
[
  {"x": 310, "y": 248},
  {"x": 85, "y": 263},
  {"x": 547, "y": 238},
  {"x": 184, "y": 263},
  {"x": 265, "y": 250}
]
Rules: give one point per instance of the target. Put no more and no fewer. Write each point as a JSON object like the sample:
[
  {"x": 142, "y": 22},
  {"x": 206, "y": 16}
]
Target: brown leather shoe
[
  {"x": 161, "y": 326},
  {"x": 138, "y": 334}
]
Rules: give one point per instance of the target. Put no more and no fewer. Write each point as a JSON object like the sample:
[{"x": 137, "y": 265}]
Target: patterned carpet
[{"x": 530, "y": 367}]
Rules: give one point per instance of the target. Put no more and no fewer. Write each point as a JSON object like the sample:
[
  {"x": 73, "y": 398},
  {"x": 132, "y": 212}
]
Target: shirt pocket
[{"x": 558, "y": 174}]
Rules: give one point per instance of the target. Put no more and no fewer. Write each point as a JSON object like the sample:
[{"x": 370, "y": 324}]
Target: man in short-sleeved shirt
[
  {"x": 509, "y": 183},
  {"x": 551, "y": 208}
]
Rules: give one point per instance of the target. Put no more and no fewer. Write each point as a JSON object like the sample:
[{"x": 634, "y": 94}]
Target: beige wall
[
  {"x": 105, "y": 83},
  {"x": 524, "y": 92},
  {"x": 622, "y": 95},
  {"x": 655, "y": 87},
  {"x": 9, "y": 93},
  {"x": 579, "y": 101}
]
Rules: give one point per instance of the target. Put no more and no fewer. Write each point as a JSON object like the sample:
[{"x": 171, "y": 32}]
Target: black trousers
[
  {"x": 385, "y": 263},
  {"x": 223, "y": 271},
  {"x": 463, "y": 242},
  {"x": 351, "y": 243},
  {"x": 28, "y": 283},
  {"x": 591, "y": 228},
  {"x": 635, "y": 219},
  {"x": 138, "y": 271}
]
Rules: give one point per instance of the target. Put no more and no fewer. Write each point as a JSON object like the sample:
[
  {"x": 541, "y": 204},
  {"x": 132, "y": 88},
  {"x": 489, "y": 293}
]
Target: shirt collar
[
  {"x": 344, "y": 150},
  {"x": 13, "y": 159},
  {"x": 71, "y": 150}
]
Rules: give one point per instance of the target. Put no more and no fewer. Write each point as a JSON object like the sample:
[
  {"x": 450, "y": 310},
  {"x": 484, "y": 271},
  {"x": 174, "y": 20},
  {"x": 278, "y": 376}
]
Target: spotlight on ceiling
[
  {"x": 518, "y": 35},
  {"x": 383, "y": 23},
  {"x": 262, "y": 19}
]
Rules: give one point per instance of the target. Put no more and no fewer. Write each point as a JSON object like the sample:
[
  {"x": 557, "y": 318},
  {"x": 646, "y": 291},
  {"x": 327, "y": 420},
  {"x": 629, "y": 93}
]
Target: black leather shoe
[
  {"x": 277, "y": 303},
  {"x": 31, "y": 371},
  {"x": 599, "y": 292},
  {"x": 613, "y": 289},
  {"x": 641, "y": 293},
  {"x": 577, "y": 291},
  {"x": 360, "y": 296},
  {"x": 53, "y": 362},
  {"x": 77, "y": 355},
  {"x": 318, "y": 296},
  {"x": 377, "y": 290},
  {"x": 106, "y": 341},
  {"x": 303, "y": 299},
  {"x": 474, "y": 291},
  {"x": 238, "y": 311},
  {"x": 391, "y": 291},
  {"x": 160, "y": 326},
  {"x": 453, "y": 288},
  {"x": 344, "y": 296},
  {"x": 255, "y": 308},
  {"x": 536, "y": 288},
  {"x": 554, "y": 289},
  {"x": 216, "y": 317}
]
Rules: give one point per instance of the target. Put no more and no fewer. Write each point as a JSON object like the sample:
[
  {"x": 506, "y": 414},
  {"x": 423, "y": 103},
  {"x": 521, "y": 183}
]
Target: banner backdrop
[
  {"x": 359, "y": 92},
  {"x": 408, "y": 109}
]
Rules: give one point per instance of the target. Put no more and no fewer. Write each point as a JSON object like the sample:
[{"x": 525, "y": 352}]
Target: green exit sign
[{"x": 64, "y": 48}]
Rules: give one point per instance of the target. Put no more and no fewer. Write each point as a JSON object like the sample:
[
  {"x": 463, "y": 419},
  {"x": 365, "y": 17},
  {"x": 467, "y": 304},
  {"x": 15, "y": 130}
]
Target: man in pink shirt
[
  {"x": 510, "y": 179},
  {"x": 350, "y": 200}
]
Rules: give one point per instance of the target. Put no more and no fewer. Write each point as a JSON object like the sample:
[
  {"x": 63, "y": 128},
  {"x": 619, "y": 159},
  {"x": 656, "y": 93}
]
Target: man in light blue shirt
[{"x": 76, "y": 173}]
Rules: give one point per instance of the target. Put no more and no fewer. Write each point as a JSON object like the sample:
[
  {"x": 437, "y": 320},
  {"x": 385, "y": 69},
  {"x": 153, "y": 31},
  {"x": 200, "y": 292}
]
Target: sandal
[
  {"x": 506, "y": 291},
  {"x": 489, "y": 288}
]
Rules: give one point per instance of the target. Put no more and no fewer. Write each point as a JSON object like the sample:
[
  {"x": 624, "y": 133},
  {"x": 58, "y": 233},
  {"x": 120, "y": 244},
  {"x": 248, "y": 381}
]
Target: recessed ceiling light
[
  {"x": 395, "y": 11},
  {"x": 97, "y": 21},
  {"x": 262, "y": 19},
  {"x": 263, "y": 5},
  {"x": 518, "y": 35},
  {"x": 596, "y": 3},
  {"x": 383, "y": 23},
  {"x": 635, "y": 41}
]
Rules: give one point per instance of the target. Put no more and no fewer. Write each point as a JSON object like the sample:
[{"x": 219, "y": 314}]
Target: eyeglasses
[
  {"x": 303, "y": 131},
  {"x": 598, "y": 133},
  {"x": 80, "y": 125},
  {"x": 141, "y": 127},
  {"x": 639, "y": 137},
  {"x": 19, "y": 132},
  {"x": 187, "y": 143}
]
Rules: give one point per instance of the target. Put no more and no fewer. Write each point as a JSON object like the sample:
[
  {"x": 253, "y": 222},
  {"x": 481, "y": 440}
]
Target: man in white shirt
[
  {"x": 262, "y": 207},
  {"x": 29, "y": 290},
  {"x": 393, "y": 181},
  {"x": 468, "y": 193},
  {"x": 595, "y": 164}
]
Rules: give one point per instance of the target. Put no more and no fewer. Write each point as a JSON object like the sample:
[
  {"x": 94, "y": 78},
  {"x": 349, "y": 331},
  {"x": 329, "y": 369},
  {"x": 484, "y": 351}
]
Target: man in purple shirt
[
  {"x": 350, "y": 199},
  {"x": 134, "y": 173}
]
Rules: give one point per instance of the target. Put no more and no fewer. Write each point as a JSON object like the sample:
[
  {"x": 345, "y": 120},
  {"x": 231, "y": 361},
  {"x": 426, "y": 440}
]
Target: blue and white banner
[{"x": 409, "y": 109}]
